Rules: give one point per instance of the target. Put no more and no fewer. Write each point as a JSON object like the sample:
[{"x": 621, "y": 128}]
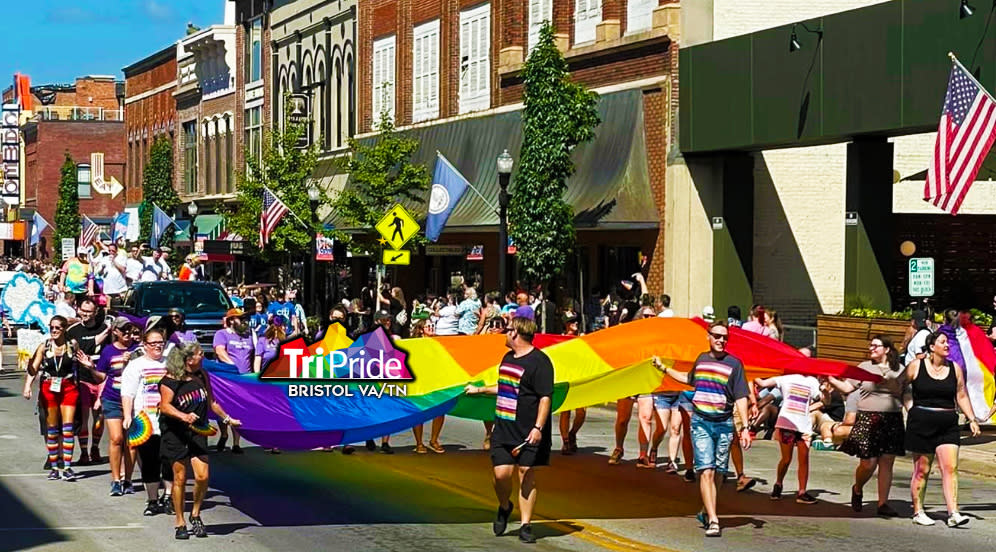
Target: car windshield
[{"x": 193, "y": 300}]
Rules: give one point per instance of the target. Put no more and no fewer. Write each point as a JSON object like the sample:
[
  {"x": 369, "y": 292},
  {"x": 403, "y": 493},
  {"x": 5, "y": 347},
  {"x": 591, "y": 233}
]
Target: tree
[
  {"x": 67, "y": 206},
  {"x": 558, "y": 115},
  {"x": 157, "y": 189},
  {"x": 381, "y": 175},
  {"x": 286, "y": 170}
]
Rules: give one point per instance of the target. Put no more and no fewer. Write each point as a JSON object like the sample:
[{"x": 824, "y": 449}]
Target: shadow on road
[{"x": 20, "y": 528}]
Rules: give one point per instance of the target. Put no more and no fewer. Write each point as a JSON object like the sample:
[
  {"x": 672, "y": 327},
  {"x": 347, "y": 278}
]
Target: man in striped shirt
[{"x": 720, "y": 386}]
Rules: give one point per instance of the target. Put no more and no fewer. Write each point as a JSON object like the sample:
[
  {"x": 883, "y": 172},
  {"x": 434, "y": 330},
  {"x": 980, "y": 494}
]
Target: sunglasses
[
  {"x": 719, "y": 337},
  {"x": 155, "y": 343},
  {"x": 53, "y": 328}
]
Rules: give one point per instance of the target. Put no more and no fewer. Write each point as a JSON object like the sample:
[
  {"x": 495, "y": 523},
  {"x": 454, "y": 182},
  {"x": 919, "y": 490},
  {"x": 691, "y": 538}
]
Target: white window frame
[
  {"x": 383, "y": 69},
  {"x": 250, "y": 36},
  {"x": 539, "y": 11},
  {"x": 639, "y": 15},
  {"x": 475, "y": 58},
  {"x": 425, "y": 71},
  {"x": 587, "y": 15}
]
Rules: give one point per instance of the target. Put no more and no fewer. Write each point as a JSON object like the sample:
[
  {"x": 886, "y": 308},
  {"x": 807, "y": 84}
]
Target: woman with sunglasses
[
  {"x": 108, "y": 369},
  {"x": 56, "y": 361},
  {"x": 186, "y": 397},
  {"x": 181, "y": 335},
  {"x": 878, "y": 434},
  {"x": 140, "y": 392}
]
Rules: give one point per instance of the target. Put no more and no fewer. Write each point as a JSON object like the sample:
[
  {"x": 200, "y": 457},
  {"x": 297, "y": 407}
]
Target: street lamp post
[
  {"x": 504, "y": 175},
  {"x": 192, "y": 211},
  {"x": 314, "y": 195}
]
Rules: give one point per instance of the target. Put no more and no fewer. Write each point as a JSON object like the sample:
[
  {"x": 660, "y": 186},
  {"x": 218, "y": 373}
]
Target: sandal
[
  {"x": 713, "y": 530},
  {"x": 434, "y": 446},
  {"x": 616, "y": 456},
  {"x": 566, "y": 449},
  {"x": 420, "y": 449},
  {"x": 644, "y": 462}
]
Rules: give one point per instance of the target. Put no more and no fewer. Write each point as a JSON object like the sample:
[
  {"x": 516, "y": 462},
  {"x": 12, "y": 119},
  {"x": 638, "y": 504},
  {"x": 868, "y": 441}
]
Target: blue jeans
[{"x": 711, "y": 443}]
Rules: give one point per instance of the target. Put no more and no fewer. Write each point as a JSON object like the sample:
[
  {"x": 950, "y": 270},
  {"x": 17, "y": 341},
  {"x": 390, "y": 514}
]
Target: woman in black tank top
[{"x": 932, "y": 425}]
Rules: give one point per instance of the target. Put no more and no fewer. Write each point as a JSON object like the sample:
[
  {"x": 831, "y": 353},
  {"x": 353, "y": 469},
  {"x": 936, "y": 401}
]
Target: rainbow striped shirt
[
  {"x": 718, "y": 384},
  {"x": 509, "y": 378}
]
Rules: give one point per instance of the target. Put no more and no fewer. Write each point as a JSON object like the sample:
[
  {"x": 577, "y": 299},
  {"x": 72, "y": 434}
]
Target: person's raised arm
[{"x": 680, "y": 377}]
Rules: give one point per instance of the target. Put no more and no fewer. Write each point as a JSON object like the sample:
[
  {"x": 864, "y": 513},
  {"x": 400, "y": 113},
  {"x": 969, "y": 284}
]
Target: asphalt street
[{"x": 372, "y": 501}]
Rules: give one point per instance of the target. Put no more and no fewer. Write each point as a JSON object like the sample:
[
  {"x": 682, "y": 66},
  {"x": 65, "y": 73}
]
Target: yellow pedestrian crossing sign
[
  {"x": 397, "y": 227},
  {"x": 397, "y": 257}
]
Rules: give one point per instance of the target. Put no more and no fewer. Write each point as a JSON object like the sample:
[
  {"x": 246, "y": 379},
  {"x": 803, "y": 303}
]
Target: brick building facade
[
  {"x": 150, "y": 112},
  {"x": 445, "y": 63},
  {"x": 253, "y": 77}
]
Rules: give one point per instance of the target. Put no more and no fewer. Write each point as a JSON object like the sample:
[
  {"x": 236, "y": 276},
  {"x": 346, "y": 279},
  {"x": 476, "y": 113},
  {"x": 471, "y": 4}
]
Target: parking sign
[{"x": 921, "y": 277}]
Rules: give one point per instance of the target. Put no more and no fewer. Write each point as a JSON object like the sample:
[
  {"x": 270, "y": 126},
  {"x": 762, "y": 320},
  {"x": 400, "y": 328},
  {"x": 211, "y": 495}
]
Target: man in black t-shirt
[
  {"x": 521, "y": 435},
  {"x": 90, "y": 334}
]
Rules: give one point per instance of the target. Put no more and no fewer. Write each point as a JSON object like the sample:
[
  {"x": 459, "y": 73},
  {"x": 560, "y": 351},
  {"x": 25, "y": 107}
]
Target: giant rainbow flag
[
  {"x": 593, "y": 369},
  {"x": 971, "y": 349}
]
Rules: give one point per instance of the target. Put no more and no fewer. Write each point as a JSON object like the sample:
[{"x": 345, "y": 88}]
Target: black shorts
[
  {"x": 178, "y": 446},
  {"x": 530, "y": 455}
]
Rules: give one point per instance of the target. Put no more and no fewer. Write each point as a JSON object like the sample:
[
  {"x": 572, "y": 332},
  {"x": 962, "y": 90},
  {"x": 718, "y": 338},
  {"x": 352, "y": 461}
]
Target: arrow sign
[
  {"x": 116, "y": 187},
  {"x": 397, "y": 257}
]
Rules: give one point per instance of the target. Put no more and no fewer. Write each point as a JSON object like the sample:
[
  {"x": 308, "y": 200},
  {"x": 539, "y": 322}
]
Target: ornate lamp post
[{"x": 504, "y": 175}]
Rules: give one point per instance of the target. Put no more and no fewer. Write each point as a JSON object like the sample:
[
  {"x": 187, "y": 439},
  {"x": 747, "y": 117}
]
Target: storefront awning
[
  {"x": 209, "y": 225},
  {"x": 182, "y": 231},
  {"x": 610, "y": 188}
]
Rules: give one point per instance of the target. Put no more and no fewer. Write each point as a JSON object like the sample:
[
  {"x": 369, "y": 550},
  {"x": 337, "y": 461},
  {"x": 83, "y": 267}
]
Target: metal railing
[
  {"x": 799, "y": 336},
  {"x": 77, "y": 113}
]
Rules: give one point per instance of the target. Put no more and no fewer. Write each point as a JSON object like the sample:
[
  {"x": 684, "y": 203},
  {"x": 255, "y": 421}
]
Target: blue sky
[{"x": 55, "y": 41}]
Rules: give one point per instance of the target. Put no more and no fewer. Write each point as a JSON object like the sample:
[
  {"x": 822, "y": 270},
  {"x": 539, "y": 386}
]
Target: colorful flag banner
[{"x": 273, "y": 210}]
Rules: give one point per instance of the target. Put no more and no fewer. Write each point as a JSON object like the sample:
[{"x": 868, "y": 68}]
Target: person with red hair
[{"x": 757, "y": 322}]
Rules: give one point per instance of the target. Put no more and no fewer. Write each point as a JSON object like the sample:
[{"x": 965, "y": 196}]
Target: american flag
[
  {"x": 273, "y": 210},
  {"x": 964, "y": 136},
  {"x": 89, "y": 234}
]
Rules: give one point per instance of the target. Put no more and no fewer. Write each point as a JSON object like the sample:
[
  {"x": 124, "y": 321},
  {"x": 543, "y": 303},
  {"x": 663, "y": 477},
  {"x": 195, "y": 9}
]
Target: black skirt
[
  {"x": 928, "y": 429},
  {"x": 875, "y": 434}
]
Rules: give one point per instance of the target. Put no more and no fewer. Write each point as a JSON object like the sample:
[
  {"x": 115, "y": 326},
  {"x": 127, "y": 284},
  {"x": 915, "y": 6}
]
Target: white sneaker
[
  {"x": 921, "y": 518},
  {"x": 956, "y": 519}
]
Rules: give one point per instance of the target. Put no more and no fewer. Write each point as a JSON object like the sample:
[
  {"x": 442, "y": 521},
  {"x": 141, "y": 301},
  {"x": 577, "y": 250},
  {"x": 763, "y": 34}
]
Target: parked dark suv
[{"x": 204, "y": 304}]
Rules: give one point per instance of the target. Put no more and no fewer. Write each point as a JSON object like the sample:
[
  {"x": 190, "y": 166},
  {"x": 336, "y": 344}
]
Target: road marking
[
  {"x": 22, "y": 474},
  {"x": 83, "y": 528},
  {"x": 9, "y": 437},
  {"x": 591, "y": 533}
]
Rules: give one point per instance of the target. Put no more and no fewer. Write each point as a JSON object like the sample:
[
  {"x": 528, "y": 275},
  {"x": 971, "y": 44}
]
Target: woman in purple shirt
[{"x": 268, "y": 345}]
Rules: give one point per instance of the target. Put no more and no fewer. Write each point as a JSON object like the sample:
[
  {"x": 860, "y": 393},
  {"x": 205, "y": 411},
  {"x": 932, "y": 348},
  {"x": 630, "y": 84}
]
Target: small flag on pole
[
  {"x": 38, "y": 225},
  {"x": 160, "y": 223},
  {"x": 120, "y": 229},
  {"x": 448, "y": 186},
  {"x": 964, "y": 137},
  {"x": 273, "y": 210},
  {"x": 89, "y": 232}
]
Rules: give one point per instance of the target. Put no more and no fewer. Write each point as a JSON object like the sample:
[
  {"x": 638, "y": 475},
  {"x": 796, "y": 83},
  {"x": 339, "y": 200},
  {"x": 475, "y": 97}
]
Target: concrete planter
[{"x": 846, "y": 338}]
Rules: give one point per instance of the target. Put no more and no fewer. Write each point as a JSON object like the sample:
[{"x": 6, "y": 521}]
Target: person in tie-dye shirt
[{"x": 720, "y": 386}]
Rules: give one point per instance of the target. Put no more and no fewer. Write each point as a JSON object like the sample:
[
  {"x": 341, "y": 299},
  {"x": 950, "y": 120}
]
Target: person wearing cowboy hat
[{"x": 234, "y": 345}]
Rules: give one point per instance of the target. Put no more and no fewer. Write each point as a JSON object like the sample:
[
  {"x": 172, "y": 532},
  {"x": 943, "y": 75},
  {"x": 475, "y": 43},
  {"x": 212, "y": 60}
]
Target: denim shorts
[
  {"x": 112, "y": 410},
  {"x": 666, "y": 401},
  {"x": 711, "y": 444}
]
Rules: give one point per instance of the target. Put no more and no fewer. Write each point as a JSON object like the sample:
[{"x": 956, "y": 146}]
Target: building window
[
  {"x": 475, "y": 58},
  {"x": 587, "y": 14},
  {"x": 383, "y": 79},
  {"x": 83, "y": 180},
  {"x": 254, "y": 51},
  {"x": 190, "y": 157},
  {"x": 639, "y": 15},
  {"x": 539, "y": 11},
  {"x": 254, "y": 133},
  {"x": 229, "y": 157},
  {"x": 219, "y": 183},
  {"x": 425, "y": 72}
]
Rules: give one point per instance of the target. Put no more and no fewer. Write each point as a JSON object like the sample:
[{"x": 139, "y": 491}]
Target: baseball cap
[
  {"x": 234, "y": 313},
  {"x": 121, "y": 323},
  {"x": 382, "y": 314},
  {"x": 524, "y": 311},
  {"x": 179, "y": 311},
  {"x": 708, "y": 313}
]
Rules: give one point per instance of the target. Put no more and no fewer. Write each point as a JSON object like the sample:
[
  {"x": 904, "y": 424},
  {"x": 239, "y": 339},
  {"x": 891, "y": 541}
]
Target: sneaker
[
  {"x": 644, "y": 462},
  {"x": 616, "y": 456},
  {"x": 236, "y": 449},
  {"x": 671, "y": 468},
  {"x": 956, "y": 519},
  {"x": 886, "y": 511},
  {"x": 54, "y": 475},
  {"x": 501, "y": 519},
  {"x": 127, "y": 488},
  {"x": 68, "y": 474},
  {"x": 690, "y": 476},
  {"x": 386, "y": 448},
  {"x": 526, "y": 533},
  {"x": 702, "y": 519},
  {"x": 197, "y": 527},
  {"x": 805, "y": 498},
  {"x": 823, "y": 445},
  {"x": 921, "y": 518},
  {"x": 182, "y": 533},
  {"x": 220, "y": 447},
  {"x": 713, "y": 530},
  {"x": 371, "y": 446},
  {"x": 855, "y": 499},
  {"x": 776, "y": 492},
  {"x": 116, "y": 488},
  {"x": 152, "y": 508},
  {"x": 745, "y": 483},
  {"x": 166, "y": 504}
]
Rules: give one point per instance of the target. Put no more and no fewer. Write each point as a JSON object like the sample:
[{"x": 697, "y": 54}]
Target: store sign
[
  {"x": 324, "y": 248},
  {"x": 220, "y": 247},
  {"x": 11, "y": 231},
  {"x": 300, "y": 114},
  {"x": 476, "y": 253},
  {"x": 10, "y": 153},
  {"x": 921, "y": 277},
  {"x": 434, "y": 250},
  {"x": 68, "y": 248}
]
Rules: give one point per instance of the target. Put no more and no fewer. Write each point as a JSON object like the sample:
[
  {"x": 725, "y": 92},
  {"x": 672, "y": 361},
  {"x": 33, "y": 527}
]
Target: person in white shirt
[
  {"x": 151, "y": 268},
  {"x": 112, "y": 269},
  {"x": 915, "y": 347},
  {"x": 134, "y": 265},
  {"x": 448, "y": 320},
  {"x": 664, "y": 310},
  {"x": 67, "y": 308},
  {"x": 165, "y": 272}
]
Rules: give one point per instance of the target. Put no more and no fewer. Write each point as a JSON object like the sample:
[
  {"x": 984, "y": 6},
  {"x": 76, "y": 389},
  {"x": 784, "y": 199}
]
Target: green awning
[
  {"x": 610, "y": 188},
  {"x": 182, "y": 231},
  {"x": 211, "y": 225}
]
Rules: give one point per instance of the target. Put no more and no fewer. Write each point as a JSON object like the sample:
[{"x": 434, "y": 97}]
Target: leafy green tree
[
  {"x": 67, "y": 206},
  {"x": 558, "y": 115},
  {"x": 381, "y": 175},
  {"x": 157, "y": 189},
  {"x": 287, "y": 171}
]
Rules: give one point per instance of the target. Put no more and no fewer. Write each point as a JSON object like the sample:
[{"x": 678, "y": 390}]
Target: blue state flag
[
  {"x": 448, "y": 186},
  {"x": 120, "y": 228},
  {"x": 160, "y": 223},
  {"x": 38, "y": 225}
]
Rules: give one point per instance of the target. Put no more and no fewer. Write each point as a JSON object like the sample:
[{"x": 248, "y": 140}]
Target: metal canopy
[{"x": 879, "y": 70}]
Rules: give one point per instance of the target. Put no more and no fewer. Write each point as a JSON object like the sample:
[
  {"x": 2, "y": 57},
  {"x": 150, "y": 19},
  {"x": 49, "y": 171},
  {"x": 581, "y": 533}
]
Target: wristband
[
  {"x": 227, "y": 420},
  {"x": 538, "y": 427}
]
